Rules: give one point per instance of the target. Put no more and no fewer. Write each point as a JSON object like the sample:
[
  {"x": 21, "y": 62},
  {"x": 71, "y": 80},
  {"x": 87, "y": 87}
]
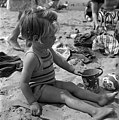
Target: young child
[{"x": 38, "y": 82}]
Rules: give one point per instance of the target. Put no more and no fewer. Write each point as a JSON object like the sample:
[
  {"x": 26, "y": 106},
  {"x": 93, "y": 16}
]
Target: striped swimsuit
[{"x": 44, "y": 75}]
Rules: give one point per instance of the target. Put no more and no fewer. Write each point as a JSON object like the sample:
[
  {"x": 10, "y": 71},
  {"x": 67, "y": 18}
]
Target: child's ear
[{"x": 35, "y": 38}]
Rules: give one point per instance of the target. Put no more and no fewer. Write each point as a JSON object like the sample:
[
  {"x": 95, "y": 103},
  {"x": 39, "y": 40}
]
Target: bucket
[{"x": 91, "y": 80}]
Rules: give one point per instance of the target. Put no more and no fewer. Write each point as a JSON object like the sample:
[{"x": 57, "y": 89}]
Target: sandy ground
[{"x": 13, "y": 105}]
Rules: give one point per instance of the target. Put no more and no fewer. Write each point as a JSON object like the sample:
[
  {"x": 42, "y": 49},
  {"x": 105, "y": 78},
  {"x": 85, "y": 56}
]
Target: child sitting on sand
[{"x": 38, "y": 82}]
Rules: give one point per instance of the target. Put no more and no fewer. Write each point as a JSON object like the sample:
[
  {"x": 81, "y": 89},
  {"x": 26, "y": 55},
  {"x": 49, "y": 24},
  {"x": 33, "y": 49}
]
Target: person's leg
[
  {"x": 86, "y": 94},
  {"x": 95, "y": 9},
  {"x": 51, "y": 94},
  {"x": 86, "y": 14}
]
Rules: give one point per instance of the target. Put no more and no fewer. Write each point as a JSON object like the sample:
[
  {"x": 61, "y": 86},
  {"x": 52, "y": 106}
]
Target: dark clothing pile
[
  {"x": 9, "y": 64},
  {"x": 83, "y": 45},
  {"x": 85, "y": 39}
]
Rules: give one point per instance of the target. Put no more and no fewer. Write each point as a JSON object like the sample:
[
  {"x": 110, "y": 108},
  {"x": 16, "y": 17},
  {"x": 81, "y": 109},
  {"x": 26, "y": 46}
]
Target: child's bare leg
[
  {"x": 52, "y": 94},
  {"x": 86, "y": 94}
]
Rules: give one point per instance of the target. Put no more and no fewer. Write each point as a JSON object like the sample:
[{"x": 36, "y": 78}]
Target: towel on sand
[{"x": 9, "y": 64}]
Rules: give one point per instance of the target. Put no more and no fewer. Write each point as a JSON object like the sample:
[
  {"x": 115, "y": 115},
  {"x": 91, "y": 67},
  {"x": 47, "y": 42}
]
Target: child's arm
[
  {"x": 60, "y": 61},
  {"x": 29, "y": 65}
]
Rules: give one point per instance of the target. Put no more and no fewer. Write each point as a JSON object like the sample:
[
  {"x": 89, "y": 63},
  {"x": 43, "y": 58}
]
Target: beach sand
[{"x": 13, "y": 105}]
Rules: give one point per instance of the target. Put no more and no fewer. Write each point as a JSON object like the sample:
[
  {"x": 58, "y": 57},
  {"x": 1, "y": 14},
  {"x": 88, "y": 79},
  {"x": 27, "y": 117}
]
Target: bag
[{"x": 106, "y": 42}]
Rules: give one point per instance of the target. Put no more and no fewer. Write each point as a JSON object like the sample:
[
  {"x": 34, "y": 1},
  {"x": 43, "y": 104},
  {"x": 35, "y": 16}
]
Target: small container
[
  {"x": 92, "y": 84},
  {"x": 91, "y": 80}
]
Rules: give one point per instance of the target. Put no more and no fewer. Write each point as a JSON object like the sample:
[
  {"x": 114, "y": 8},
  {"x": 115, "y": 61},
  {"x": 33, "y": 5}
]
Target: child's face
[{"x": 49, "y": 40}]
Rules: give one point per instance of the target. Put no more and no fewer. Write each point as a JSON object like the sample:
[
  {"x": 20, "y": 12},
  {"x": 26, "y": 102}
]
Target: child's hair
[{"x": 37, "y": 23}]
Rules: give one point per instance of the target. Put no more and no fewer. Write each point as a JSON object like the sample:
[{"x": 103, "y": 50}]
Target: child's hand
[
  {"x": 35, "y": 109},
  {"x": 77, "y": 72}
]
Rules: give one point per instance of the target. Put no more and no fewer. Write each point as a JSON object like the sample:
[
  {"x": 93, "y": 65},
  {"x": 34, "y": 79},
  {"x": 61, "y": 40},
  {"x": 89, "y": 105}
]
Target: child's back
[{"x": 44, "y": 73}]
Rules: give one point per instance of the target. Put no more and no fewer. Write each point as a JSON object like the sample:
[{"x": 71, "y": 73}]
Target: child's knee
[{"x": 65, "y": 94}]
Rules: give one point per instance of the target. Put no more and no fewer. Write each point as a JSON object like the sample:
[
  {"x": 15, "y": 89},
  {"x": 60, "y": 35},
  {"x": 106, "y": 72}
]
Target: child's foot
[
  {"x": 107, "y": 98},
  {"x": 102, "y": 112}
]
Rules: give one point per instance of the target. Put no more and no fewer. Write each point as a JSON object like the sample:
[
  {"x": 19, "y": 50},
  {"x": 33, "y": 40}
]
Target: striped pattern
[
  {"x": 46, "y": 73},
  {"x": 106, "y": 42}
]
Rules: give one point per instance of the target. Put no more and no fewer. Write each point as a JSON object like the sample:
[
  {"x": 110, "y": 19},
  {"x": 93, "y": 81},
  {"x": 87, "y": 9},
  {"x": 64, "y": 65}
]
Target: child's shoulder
[
  {"x": 30, "y": 54},
  {"x": 32, "y": 58}
]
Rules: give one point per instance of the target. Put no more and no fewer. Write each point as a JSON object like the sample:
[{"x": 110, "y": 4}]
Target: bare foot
[
  {"x": 107, "y": 98},
  {"x": 102, "y": 112},
  {"x": 14, "y": 44}
]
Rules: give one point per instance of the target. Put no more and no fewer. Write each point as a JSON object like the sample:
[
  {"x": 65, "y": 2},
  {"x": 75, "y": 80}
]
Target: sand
[{"x": 13, "y": 105}]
